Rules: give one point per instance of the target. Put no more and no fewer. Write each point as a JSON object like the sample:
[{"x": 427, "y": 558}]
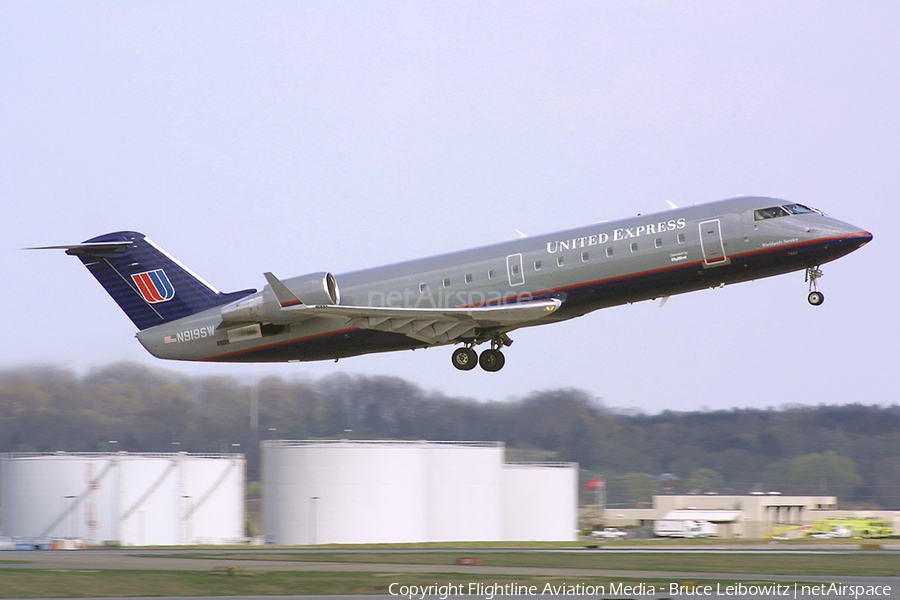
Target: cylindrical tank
[
  {"x": 464, "y": 492},
  {"x": 321, "y": 492},
  {"x": 133, "y": 499},
  {"x": 540, "y": 501}
]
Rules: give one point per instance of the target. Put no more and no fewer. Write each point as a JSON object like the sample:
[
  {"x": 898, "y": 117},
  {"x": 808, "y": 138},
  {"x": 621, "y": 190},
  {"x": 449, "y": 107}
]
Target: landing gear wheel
[
  {"x": 492, "y": 360},
  {"x": 815, "y": 297},
  {"x": 465, "y": 359}
]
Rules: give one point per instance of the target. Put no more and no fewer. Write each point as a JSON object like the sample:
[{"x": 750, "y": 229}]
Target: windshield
[
  {"x": 769, "y": 213},
  {"x": 775, "y": 212},
  {"x": 798, "y": 209}
]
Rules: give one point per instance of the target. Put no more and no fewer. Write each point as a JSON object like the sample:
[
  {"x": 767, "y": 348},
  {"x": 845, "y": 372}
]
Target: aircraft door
[
  {"x": 514, "y": 269},
  {"x": 712, "y": 243}
]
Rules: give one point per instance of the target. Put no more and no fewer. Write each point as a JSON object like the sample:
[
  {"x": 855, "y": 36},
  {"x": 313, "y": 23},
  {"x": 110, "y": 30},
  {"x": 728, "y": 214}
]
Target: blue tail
[{"x": 149, "y": 285}]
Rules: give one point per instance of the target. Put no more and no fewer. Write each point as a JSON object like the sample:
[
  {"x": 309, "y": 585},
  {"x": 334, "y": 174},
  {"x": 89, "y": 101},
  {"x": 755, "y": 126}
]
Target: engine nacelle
[
  {"x": 311, "y": 290},
  {"x": 251, "y": 309},
  {"x": 315, "y": 289}
]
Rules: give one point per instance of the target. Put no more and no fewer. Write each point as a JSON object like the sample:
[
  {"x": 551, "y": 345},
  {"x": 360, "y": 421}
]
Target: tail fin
[{"x": 145, "y": 281}]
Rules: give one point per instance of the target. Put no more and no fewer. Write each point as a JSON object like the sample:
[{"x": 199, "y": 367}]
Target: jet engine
[
  {"x": 311, "y": 290},
  {"x": 315, "y": 289}
]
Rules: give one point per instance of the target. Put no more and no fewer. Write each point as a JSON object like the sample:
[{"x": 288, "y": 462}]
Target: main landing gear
[
  {"x": 816, "y": 298},
  {"x": 491, "y": 360}
]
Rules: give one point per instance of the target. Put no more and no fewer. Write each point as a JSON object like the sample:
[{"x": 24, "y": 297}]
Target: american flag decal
[{"x": 154, "y": 286}]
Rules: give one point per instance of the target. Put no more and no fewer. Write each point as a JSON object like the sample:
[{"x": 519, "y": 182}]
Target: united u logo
[{"x": 154, "y": 286}]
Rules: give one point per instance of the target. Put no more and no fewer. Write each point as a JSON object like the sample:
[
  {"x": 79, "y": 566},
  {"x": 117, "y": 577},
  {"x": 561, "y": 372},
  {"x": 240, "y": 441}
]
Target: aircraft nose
[
  {"x": 838, "y": 238},
  {"x": 861, "y": 237},
  {"x": 845, "y": 232},
  {"x": 852, "y": 238}
]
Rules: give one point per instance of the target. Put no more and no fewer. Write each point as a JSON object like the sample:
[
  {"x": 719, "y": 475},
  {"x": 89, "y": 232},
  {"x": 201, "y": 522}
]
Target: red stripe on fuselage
[
  {"x": 563, "y": 288},
  {"x": 758, "y": 251}
]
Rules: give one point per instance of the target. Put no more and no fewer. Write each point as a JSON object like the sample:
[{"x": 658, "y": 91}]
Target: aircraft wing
[
  {"x": 429, "y": 325},
  {"x": 436, "y": 325}
]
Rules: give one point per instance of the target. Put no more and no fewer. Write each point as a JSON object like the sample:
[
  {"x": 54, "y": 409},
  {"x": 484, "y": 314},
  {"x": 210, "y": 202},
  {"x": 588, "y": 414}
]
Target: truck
[
  {"x": 863, "y": 527},
  {"x": 684, "y": 528}
]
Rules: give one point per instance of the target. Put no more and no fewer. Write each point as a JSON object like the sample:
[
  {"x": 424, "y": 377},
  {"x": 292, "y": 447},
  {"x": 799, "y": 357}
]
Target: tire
[
  {"x": 816, "y": 298},
  {"x": 492, "y": 360},
  {"x": 464, "y": 359}
]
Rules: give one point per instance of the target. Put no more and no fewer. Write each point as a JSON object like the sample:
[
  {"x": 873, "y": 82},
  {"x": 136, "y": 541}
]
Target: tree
[
  {"x": 702, "y": 481},
  {"x": 631, "y": 489},
  {"x": 825, "y": 473}
]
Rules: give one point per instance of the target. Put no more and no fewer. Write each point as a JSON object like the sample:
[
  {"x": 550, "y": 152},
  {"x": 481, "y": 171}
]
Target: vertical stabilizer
[{"x": 145, "y": 281}]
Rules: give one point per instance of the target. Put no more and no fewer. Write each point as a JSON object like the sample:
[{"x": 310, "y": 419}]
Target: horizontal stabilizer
[{"x": 88, "y": 248}]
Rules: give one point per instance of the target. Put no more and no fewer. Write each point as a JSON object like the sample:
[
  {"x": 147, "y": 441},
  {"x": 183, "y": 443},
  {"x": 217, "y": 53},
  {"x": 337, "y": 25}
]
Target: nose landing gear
[
  {"x": 491, "y": 360},
  {"x": 816, "y": 298}
]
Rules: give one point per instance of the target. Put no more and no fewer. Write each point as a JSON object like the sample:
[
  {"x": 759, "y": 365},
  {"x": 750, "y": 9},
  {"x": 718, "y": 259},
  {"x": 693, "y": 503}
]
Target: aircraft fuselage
[{"x": 584, "y": 269}]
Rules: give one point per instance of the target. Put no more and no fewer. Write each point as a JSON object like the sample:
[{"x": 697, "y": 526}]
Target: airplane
[{"x": 465, "y": 298}]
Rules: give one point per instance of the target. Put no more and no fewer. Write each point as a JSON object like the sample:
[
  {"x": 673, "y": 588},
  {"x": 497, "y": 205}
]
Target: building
[
  {"x": 126, "y": 498},
  {"x": 751, "y": 516},
  {"x": 345, "y": 492}
]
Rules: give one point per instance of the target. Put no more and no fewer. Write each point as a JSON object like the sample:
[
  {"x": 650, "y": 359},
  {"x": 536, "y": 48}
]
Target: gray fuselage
[{"x": 589, "y": 268}]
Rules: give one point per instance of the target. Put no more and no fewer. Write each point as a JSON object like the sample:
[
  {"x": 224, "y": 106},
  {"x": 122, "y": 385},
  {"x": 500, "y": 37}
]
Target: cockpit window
[
  {"x": 799, "y": 209},
  {"x": 773, "y": 212}
]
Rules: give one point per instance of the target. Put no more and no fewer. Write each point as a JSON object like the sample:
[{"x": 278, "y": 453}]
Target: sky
[{"x": 298, "y": 137}]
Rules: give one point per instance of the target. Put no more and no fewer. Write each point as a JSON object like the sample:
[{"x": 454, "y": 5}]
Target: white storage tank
[
  {"x": 540, "y": 501},
  {"x": 129, "y": 498},
  {"x": 340, "y": 492},
  {"x": 464, "y": 491},
  {"x": 345, "y": 492}
]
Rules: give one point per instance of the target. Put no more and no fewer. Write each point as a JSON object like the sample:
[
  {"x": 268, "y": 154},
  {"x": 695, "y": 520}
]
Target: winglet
[{"x": 285, "y": 297}]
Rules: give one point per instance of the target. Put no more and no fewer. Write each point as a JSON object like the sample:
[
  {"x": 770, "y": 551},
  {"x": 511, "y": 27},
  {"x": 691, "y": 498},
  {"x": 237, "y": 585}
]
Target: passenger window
[
  {"x": 423, "y": 288},
  {"x": 681, "y": 238},
  {"x": 634, "y": 247},
  {"x": 538, "y": 265},
  {"x": 658, "y": 242},
  {"x": 446, "y": 282},
  {"x": 515, "y": 269},
  {"x": 585, "y": 256},
  {"x": 609, "y": 252},
  {"x": 468, "y": 278},
  {"x": 492, "y": 274},
  {"x": 560, "y": 261}
]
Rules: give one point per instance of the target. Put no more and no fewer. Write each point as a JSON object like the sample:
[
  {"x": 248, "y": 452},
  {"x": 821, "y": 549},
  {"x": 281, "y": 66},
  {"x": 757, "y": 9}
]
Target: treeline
[{"x": 851, "y": 451}]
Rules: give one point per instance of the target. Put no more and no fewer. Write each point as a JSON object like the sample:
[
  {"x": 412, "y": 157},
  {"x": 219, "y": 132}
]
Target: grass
[
  {"x": 46, "y": 583},
  {"x": 704, "y": 562},
  {"x": 74, "y": 583}
]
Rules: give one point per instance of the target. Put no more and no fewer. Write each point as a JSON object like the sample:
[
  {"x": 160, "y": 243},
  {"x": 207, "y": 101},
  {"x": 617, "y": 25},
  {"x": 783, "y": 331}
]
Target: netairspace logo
[{"x": 489, "y": 591}]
